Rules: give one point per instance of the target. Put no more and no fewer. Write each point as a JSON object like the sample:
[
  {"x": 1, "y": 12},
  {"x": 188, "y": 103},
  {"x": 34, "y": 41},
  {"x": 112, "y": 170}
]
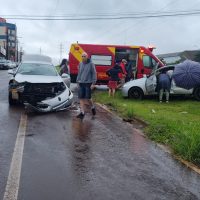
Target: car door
[{"x": 151, "y": 83}]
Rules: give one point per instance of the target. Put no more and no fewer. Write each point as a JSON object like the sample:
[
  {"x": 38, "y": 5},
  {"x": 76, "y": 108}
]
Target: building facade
[{"x": 8, "y": 40}]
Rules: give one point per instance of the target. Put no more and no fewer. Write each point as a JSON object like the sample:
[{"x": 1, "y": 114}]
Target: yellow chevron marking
[
  {"x": 77, "y": 51},
  {"x": 112, "y": 50}
]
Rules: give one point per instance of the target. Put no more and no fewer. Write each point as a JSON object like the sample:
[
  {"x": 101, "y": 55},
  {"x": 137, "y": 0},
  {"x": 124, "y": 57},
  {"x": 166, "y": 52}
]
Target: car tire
[
  {"x": 11, "y": 100},
  {"x": 197, "y": 94},
  {"x": 135, "y": 93}
]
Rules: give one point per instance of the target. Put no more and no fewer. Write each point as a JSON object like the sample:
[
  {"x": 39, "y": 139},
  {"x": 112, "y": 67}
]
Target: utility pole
[
  {"x": 20, "y": 54},
  {"x": 61, "y": 51}
]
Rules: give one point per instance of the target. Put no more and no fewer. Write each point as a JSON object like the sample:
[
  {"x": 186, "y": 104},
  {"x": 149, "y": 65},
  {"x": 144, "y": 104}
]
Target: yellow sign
[{"x": 77, "y": 51}]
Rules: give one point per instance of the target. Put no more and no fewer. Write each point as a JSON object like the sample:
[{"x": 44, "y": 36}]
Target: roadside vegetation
[
  {"x": 58, "y": 68},
  {"x": 176, "y": 124}
]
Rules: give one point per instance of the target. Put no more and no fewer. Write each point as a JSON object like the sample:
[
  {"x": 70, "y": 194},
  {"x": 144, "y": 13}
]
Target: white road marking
[{"x": 12, "y": 186}]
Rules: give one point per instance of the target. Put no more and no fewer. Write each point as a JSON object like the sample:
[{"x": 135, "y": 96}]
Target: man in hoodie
[{"x": 86, "y": 80}]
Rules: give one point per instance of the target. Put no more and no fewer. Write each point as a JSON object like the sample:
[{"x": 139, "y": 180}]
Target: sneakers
[
  {"x": 93, "y": 111},
  {"x": 80, "y": 115}
]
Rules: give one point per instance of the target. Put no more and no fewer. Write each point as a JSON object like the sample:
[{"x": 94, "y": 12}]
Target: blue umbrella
[{"x": 187, "y": 74}]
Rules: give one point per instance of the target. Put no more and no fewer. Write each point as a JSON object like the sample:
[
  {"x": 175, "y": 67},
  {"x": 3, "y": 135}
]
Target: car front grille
[{"x": 36, "y": 92}]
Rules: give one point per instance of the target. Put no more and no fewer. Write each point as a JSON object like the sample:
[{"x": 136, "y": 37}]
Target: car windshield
[{"x": 37, "y": 69}]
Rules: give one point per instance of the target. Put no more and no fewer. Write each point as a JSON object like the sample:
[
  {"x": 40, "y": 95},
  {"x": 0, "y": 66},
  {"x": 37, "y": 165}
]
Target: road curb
[
  {"x": 135, "y": 118},
  {"x": 166, "y": 149}
]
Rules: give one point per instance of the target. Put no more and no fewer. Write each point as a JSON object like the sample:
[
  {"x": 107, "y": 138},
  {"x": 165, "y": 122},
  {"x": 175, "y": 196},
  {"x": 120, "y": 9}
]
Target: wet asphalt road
[{"x": 97, "y": 158}]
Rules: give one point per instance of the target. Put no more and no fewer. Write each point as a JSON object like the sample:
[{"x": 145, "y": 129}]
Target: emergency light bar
[{"x": 151, "y": 47}]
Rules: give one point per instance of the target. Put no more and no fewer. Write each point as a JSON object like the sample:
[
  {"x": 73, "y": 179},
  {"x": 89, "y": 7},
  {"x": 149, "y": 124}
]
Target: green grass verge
[
  {"x": 58, "y": 68},
  {"x": 176, "y": 124}
]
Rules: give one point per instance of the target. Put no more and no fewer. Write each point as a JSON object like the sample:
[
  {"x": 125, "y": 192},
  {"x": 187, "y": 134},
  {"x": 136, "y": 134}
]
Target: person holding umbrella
[{"x": 187, "y": 74}]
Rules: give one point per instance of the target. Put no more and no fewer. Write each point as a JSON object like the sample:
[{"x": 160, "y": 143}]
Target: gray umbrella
[{"x": 187, "y": 74}]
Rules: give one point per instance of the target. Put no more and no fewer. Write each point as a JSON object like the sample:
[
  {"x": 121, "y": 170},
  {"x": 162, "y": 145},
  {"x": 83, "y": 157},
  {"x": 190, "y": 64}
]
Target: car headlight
[
  {"x": 14, "y": 84},
  {"x": 20, "y": 88}
]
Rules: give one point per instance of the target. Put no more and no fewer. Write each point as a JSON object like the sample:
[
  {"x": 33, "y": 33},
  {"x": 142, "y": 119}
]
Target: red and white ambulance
[{"x": 142, "y": 60}]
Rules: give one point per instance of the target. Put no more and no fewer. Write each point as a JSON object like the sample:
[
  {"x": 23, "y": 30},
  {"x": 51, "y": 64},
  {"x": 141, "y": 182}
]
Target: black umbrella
[{"x": 187, "y": 74}]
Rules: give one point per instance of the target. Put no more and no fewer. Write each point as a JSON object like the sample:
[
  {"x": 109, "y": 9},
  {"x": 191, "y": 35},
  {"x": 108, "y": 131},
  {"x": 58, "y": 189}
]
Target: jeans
[{"x": 161, "y": 92}]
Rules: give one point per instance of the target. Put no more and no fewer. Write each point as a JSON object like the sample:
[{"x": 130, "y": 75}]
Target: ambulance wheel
[{"x": 135, "y": 93}]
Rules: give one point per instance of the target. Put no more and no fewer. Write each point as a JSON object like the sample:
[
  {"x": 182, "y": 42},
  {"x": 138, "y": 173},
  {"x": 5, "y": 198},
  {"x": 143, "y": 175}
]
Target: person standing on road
[
  {"x": 113, "y": 73},
  {"x": 86, "y": 80},
  {"x": 164, "y": 85},
  {"x": 63, "y": 67}
]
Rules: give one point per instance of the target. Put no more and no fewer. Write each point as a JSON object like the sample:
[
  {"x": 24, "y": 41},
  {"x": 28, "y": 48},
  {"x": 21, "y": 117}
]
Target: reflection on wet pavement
[
  {"x": 115, "y": 160},
  {"x": 81, "y": 149}
]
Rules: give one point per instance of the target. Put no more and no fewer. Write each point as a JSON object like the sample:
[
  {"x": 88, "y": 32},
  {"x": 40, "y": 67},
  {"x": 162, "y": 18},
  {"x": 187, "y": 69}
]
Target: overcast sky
[{"x": 168, "y": 34}]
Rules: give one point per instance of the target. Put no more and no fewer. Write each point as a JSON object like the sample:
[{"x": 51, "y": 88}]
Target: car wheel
[
  {"x": 197, "y": 94},
  {"x": 11, "y": 100},
  {"x": 135, "y": 93}
]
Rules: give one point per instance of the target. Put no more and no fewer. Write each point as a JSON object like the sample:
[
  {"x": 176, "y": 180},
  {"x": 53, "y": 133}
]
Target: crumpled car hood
[{"x": 37, "y": 78}]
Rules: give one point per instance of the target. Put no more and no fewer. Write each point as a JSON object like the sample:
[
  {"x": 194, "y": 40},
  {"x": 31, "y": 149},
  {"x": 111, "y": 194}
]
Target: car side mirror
[
  {"x": 10, "y": 71},
  {"x": 145, "y": 76},
  {"x": 65, "y": 75}
]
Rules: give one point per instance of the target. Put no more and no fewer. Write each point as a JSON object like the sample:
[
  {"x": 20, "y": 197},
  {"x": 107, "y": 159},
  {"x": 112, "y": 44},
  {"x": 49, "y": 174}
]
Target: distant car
[
  {"x": 3, "y": 64},
  {"x": 11, "y": 64},
  {"x": 38, "y": 85},
  {"x": 139, "y": 88}
]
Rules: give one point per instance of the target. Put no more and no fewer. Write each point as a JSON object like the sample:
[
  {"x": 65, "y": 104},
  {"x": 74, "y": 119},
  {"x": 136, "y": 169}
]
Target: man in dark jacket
[{"x": 86, "y": 80}]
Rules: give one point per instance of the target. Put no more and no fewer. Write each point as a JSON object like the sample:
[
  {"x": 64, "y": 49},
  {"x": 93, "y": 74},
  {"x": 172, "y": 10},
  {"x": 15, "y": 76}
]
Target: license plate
[{"x": 15, "y": 94}]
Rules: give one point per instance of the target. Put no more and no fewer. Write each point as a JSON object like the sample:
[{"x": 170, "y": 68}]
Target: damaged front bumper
[
  {"x": 57, "y": 103},
  {"x": 42, "y": 97}
]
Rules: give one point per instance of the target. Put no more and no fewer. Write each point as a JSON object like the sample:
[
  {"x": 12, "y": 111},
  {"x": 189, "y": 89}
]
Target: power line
[
  {"x": 105, "y": 15},
  {"x": 160, "y": 15},
  {"x": 125, "y": 28}
]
